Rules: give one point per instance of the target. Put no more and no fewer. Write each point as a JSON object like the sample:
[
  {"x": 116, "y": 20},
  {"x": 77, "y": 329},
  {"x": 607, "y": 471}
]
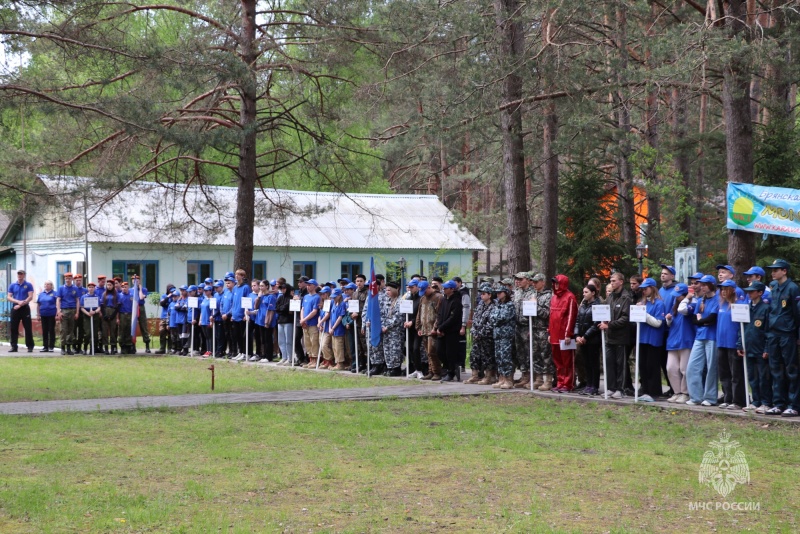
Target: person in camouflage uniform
[
  {"x": 543, "y": 368},
  {"x": 481, "y": 359},
  {"x": 376, "y": 358},
  {"x": 393, "y": 331},
  {"x": 429, "y": 303},
  {"x": 503, "y": 322},
  {"x": 522, "y": 340}
]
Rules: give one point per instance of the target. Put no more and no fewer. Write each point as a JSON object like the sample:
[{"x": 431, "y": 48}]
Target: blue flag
[
  {"x": 134, "y": 308},
  {"x": 374, "y": 307}
]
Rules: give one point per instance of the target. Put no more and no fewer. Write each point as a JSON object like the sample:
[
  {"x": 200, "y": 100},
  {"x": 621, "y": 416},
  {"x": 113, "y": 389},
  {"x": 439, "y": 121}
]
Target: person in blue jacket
[
  {"x": 239, "y": 290},
  {"x": 703, "y": 313},
  {"x": 126, "y": 303},
  {"x": 226, "y": 306},
  {"x": 192, "y": 319},
  {"x": 47, "y": 315},
  {"x": 206, "y": 319},
  {"x": 92, "y": 320},
  {"x": 680, "y": 339},
  {"x": 651, "y": 341},
  {"x": 338, "y": 330},
  {"x": 163, "y": 326},
  {"x": 755, "y": 343},
  {"x": 175, "y": 325},
  {"x": 221, "y": 341},
  {"x": 731, "y": 366},
  {"x": 784, "y": 320}
]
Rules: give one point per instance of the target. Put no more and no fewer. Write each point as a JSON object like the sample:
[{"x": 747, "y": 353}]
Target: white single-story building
[{"x": 182, "y": 234}]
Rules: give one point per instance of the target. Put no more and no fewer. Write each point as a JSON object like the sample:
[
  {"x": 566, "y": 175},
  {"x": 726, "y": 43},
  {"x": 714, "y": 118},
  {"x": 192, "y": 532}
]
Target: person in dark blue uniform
[
  {"x": 47, "y": 315},
  {"x": 784, "y": 318},
  {"x": 755, "y": 342},
  {"x": 20, "y": 294}
]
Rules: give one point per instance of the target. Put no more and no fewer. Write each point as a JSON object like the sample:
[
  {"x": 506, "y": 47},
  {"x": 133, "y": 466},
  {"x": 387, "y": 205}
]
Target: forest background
[{"x": 561, "y": 133}]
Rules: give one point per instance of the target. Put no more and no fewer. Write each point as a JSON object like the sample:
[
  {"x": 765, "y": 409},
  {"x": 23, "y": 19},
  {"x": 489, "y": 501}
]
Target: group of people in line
[{"x": 688, "y": 334}]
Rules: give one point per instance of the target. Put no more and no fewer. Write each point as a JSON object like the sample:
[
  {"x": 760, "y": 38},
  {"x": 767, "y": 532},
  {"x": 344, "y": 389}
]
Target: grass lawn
[
  {"x": 111, "y": 376},
  {"x": 504, "y": 463}
]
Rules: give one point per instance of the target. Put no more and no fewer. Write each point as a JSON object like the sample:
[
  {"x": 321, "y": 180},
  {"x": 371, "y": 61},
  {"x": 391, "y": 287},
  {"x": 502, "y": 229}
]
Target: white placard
[
  {"x": 212, "y": 303},
  {"x": 740, "y": 313},
  {"x": 568, "y": 344},
  {"x": 406, "y": 306},
  {"x": 247, "y": 303},
  {"x": 192, "y": 302},
  {"x": 294, "y": 305},
  {"x": 91, "y": 302},
  {"x": 326, "y": 306},
  {"x": 601, "y": 312},
  {"x": 638, "y": 314},
  {"x": 529, "y": 308},
  {"x": 352, "y": 306}
]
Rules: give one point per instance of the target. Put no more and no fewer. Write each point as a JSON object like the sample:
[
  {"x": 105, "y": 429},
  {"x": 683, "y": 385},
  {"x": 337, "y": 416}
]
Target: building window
[
  {"x": 259, "y": 270},
  {"x": 350, "y": 269},
  {"x": 393, "y": 273},
  {"x": 304, "y": 268},
  {"x": 62, "y": 267},
  {"x": 147, "y": 271},
  {"x": 198, "y": 270},
  {"x": 437, "y": 268}
]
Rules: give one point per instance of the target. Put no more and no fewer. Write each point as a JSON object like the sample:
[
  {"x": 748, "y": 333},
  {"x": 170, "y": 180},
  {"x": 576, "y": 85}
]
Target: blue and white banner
[{"x": 766, "y": 210}]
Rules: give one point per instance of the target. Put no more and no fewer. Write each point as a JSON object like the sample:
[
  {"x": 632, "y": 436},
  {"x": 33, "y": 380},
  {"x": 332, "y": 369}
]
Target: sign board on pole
[
  {"x": 638, "y": 314},
  {"x": 91, "y": 302},
  {"x": 294, "y": 305},
  {"x": 529, "y": 308},
  {"x": 326, "y": 306},
  {"x": 192, "y": 302},
  {"x": 352, "y": 306},
  {"x": 601, "y": 312},
  {"x": 406, "y": 306},
  {"x": 212, "y": 303},
  {"x": 740, "y": 313},
  {"x": 247, "y": 303}
]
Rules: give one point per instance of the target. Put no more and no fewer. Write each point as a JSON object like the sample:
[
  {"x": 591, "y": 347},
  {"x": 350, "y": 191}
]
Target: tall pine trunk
[
  {"x": 550, "y": 197},
  {"x": 512, "y": 46},
  {"x": 738, "y": 129},
  {"x": 625, "y": 188},
  {"x": 248, "y": 174}
]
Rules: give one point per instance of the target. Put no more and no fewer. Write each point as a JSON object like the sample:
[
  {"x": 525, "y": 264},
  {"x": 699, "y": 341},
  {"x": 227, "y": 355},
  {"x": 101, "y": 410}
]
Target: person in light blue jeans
[{"x": 703, "y": 313}]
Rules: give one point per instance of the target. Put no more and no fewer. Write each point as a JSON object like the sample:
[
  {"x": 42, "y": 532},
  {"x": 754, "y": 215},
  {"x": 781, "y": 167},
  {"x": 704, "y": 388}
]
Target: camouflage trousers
[
  {"x": 542, "y": 353},
  {"x": 504, "y": 351},
  {"x": 522, "y": 346},
  {"x": 393, "y": 347},
  {"x": 482, "y": 356},
  {"x": 67, "y": 326}
]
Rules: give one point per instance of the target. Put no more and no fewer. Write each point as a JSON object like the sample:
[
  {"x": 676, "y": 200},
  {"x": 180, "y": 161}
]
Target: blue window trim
[
  {"x": 302, "y": 265},
  {"x": 59, "y": 274},
  {"x": 253, "y": 268},
  {"x": 350, "y": 272},
  {"x": 143, "y": 264},
  {"x": 200, "y": 279}
]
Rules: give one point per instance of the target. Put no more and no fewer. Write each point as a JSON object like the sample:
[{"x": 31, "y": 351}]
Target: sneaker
[
  {"x": 253, "y": 359},
  {"x": 789, "y": 412},
  {"x": 773, "y": 411},
  {"x": 733, "y": 407},
  {"x": 617, "y": 395},
  {"x": 723, "y": 405},
  {"x": 762, "y": 409},
  {"x": 673, "y": 398},
  {"x": 646, "y": 398},
  {"x": 681, "y": 398},
  {"x": 690, "y": 402},
  {"x": 706, "y": 403}
]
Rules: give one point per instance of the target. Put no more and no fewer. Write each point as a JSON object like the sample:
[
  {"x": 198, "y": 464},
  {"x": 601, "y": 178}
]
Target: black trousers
[
  {"x": 650, "y": 370},
  {"x": 447, "y": 347},
  {"x": 298, "y": 345},
  {"x": 414, "y": 349},
  {"x": 731, "y": 373},
  {"x": 228, "y": 344},
  {"x": 21, "y": 315},
  {"x": 219, "y": 349},
  {"x": 616, "y": 366},
  {"x": 49, "y": 332},
  {"x": 266, "y": 342},
  {"x": 237, "y": 331},
  {"x": 591, "y": 364},
  {"x": 462, "y": 350}
]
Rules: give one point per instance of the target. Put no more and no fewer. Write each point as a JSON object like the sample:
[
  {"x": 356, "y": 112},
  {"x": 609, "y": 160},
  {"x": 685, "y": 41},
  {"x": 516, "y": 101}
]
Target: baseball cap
[
  {"x": 727, "y": 268},
  {"x": 219, "y": 283},
  {"x": 680, "y": 289},
  {"x": 345, "y": 280},
  {"x": 191, "y": 288},
  {"x": 352, "y": 286},
  {"x": 412, "y": 283},
  {"x": 648, "y": 282},
  {"x": 670, "y": 268},
  {"x": 230, "y": 275},
  {"x": 449, "y": 285},
  {"x": 185, "y": 287},
  {"x": 208, "y": 288},
  {"x": 538, "y": 277},
  {"x": 423, "y": 286},
  {"x": 311, "y": 281},
  {"x": 755, "y": 270},
  {"x": 696, "y": 276},
  {"x": 755, "y": 285},
  {"x": 727, "y": 283},
  {"x": 708, "y": 279},
  {"x": 521, "y": 274},
  {"x": 779, "y": 264},
  {"x": 325, "y": 289}
]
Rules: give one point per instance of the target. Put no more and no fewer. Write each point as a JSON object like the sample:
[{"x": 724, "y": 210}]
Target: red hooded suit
[{"x": 563, "y": 313}]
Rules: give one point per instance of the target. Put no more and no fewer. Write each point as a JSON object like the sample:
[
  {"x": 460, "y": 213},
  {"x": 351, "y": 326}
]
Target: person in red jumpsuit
[{"x": 563, "y": 314}]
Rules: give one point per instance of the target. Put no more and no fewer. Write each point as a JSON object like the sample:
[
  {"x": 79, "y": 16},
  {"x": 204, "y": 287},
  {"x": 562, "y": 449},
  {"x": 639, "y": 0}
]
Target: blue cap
[
  {"x": 325, "y": 289},
  {"x": 727, "y": 268},
  {"x": 230, "y": 279},
  {"x": 779, "y": 264},
  {"x": 708, "y": 279},
  {"x": 273, "y": 282},
  {"x": 230, "y": 275},
  {"x": 413, "y": 283},
  {"x": 176, "y": 293},
  {"x": 208, "y": 288},
  {"x": 184, "y": 287},
  {"x": 696, "y": 276},
  {"x": 351, "y": 285},
  {"x": 312, "y": 282},
  {"x": 755, "y": 269},
  {"x": 208, "y": 281},
  {"x": 680, "y": 289},
  {"x": 336, "y": 293},
  {"x": 670, "y": 268},
  {"x": 648, "y": 282},
  {"x": 727, "y": 283},
  {"x": 191, "y": 288},
  {"x": 345, "y": 280},
  {"x": 449, "y": 285},
  {"x": 423, "y": 286},
  {"x": 219, "y": 283}
]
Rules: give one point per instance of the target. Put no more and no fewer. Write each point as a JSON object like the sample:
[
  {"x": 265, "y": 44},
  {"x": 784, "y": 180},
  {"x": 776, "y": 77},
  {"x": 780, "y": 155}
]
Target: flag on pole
[
  {"x": 135, "y": 309},
  {"x": 374, "y": 308}
]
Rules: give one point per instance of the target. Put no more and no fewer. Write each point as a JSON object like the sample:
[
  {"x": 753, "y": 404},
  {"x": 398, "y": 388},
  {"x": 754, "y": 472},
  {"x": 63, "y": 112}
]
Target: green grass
[
  {"x": 110, "y": 376},
  {"x": 496, "y": 464}
]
